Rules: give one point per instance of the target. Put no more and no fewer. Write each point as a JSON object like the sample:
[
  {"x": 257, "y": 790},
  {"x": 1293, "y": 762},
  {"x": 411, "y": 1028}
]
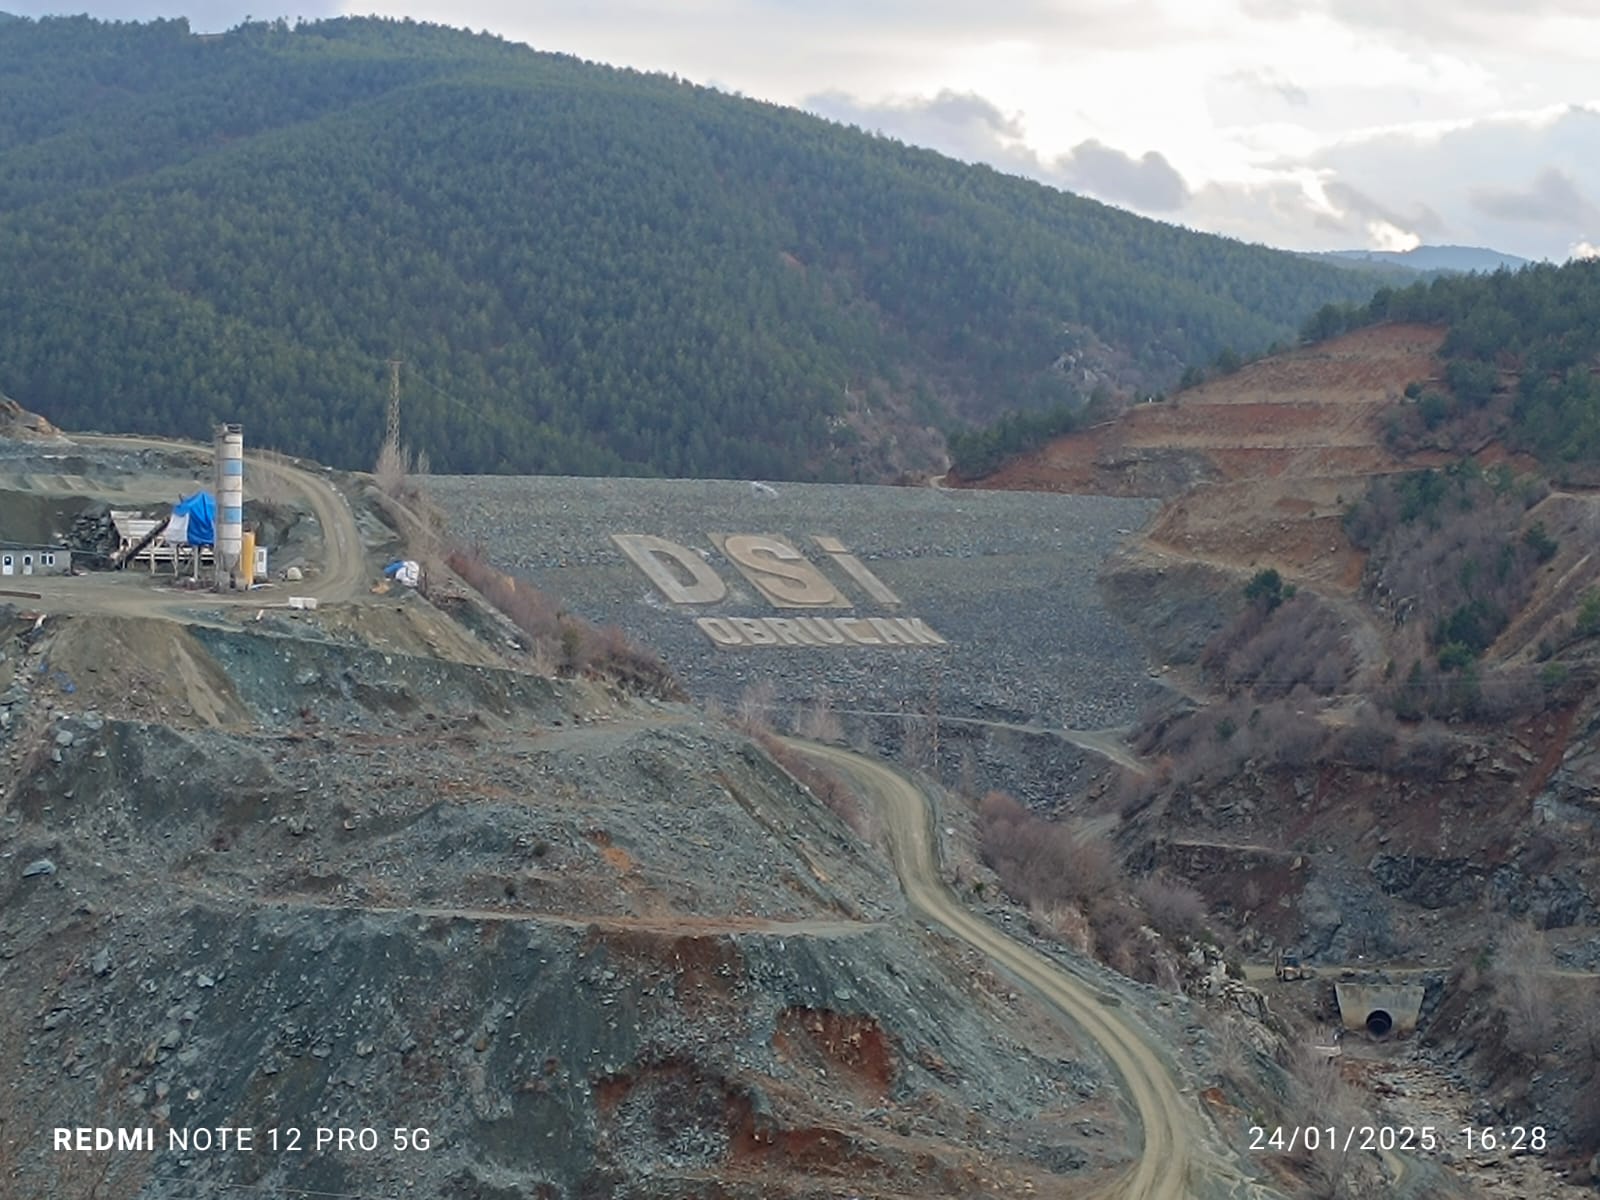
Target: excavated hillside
[
  {"x": 1330, "y": 773},
  {"x": 1259, "y": 463},
  {"x": 360, "y": 864}
]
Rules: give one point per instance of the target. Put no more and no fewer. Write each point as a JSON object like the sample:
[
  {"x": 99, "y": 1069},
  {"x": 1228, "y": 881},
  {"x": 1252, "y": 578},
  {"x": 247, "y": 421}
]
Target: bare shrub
[
  {"x": 1287, "y": 735},
  {"x": 1118, "y": 921},
  {"x": 1426, "y": 753},
  {"x": 919, "y": 741},
  {"x": 390, "y": 469},
  {"x": 1231, "y": 1053},
  {"x": 1367, "y": 741},
  {"x": 1132, "y": 793},
  {"x": 753, "y": 713},
  {"x": 1069, "y": 924},
  {"x": 267, "y": 486},
  {"x": 1523, "y": 989},
  {"x": 1319, "y": 1095},
  {"x": 1585, "y": 1125},
  {"x": 1508, "y": 694},
  {"x": 1303, "y": 641},
  {"x": 1038, "y": 861},
  {"x": 561, "y": 638},
  {"x": 818, "y": 722},
  {"x": 837, "y": 796},
  {"x": 1173, "y": 908}
]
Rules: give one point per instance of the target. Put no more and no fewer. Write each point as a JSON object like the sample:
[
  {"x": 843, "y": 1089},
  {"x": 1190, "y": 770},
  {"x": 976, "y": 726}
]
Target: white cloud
[
  {"x": 1524, "y": 183},
  {"x": 1148, "y": 182},
  {"x": 1553, "y": 198}
]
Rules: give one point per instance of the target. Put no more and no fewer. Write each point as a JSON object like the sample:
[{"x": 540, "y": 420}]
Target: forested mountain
[
  {"x": 584, "y": 269},
  {"x": 1523, "y": 361}
]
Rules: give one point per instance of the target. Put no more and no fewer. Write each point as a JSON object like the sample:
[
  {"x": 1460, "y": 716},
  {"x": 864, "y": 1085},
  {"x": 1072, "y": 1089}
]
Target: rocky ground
[
  {"x": 1425, "y": 848},
  {"x": 1009, "y": 581},
  {"x": 593, "y": 947},
  {"x": 353, "y": 868}
]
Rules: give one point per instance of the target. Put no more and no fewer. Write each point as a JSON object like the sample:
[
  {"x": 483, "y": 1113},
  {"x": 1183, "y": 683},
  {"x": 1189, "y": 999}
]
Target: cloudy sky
[{"x": 1309, "y": 124}]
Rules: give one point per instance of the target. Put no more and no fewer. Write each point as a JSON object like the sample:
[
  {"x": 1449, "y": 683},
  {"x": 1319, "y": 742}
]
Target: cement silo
[{"x": 231, "y": 572}]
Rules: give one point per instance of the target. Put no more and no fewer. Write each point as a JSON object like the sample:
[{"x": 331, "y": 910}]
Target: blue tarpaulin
[{"x": 201, "y": 511}]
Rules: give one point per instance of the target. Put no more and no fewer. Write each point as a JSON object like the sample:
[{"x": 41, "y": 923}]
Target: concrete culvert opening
[{"x": 1379, "y": 1023}]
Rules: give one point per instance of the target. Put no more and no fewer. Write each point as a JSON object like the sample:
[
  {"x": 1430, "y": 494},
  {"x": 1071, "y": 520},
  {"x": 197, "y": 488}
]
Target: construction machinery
[{"x": 1286, "y": 965}]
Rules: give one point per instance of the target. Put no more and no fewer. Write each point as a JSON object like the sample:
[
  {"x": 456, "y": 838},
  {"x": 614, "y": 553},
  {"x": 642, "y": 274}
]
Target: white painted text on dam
[{"x": 787, "y": 579}]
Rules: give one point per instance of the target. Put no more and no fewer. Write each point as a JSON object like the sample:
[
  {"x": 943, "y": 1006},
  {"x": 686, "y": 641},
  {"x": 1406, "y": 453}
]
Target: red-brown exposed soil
[
  {"x": 1259, "y": 464},
  {"x": 854, "y": 1045}
]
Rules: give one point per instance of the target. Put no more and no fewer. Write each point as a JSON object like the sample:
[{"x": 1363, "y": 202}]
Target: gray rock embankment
[
  {"x": 592, "y": 947},
  {"x": 1007, "y": 579}
]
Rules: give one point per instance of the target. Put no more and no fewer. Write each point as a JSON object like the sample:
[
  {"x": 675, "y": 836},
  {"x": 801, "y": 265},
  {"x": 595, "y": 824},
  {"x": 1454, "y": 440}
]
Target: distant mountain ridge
[
  {"x": 1459, "y": 259},
  {"x": 584, "y": 269}
]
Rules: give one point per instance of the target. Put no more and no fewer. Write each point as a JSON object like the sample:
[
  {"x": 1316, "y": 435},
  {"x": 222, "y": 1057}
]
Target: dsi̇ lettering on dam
[{"x": 787, "y": 580}]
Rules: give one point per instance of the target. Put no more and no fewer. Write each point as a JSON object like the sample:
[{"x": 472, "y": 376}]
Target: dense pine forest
[
  {"x": 583, "y": 269},
  {"x": 1522, "y": 356}
]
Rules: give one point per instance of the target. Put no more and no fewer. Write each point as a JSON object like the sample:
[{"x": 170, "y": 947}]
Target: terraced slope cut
[{"x": 1258, "y": 464}]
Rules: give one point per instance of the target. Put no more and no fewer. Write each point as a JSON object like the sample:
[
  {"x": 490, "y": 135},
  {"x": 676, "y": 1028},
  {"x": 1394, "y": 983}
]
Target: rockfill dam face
[{"x": 977, "y": 604}]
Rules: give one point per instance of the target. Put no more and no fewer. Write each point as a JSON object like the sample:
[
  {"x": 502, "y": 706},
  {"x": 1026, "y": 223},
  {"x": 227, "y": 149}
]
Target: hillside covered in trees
[
  {"x": 1522, "y": 363},
  {"x": 584, "y": 269}
]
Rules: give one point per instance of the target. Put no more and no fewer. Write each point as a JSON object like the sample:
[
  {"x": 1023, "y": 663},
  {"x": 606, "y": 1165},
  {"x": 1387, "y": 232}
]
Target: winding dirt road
[{"x": 1177, "y": 1161}]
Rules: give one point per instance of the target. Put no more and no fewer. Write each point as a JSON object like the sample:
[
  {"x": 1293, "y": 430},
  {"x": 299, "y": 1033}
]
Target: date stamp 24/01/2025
[{"x": 1401, "y": 1139}]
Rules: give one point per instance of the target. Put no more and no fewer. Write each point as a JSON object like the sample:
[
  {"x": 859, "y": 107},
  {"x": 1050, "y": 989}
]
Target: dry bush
[
  {"x": 1367, "y": 742},
  {"x": 558, "y": 637},
  {"x": 1268, "y": 652},
  {"x": 1069, "y": 925},
  {"x": 396, "y": 471},
  {"x": 1118, "y": 922},
  {"x": 390, "y": 469},
  {"x": 1426, "y": 753},
  {"x": 268, "y": 487},
  {"x": 1288, "y": 735},
  {"x": 1039, "y": 861},
  {"x": 1231, "y": 1053},
  {"x": 753, "y": 714},
  {"x": 1173, "y": 908},
  {"x": 1524, "y": 989},
  {"x": 818, "y": 722},
  {"x": 1132, "y": 793},
  {"x": 1509, "y": 694},
  {"x": 1320, "y": 1096},
  {"x": 1584, "y": 1042},
  {"x": 919, "y": 741},
  {"x": 836, "y": 795},
  {"x": 1585, "y": 1124}
]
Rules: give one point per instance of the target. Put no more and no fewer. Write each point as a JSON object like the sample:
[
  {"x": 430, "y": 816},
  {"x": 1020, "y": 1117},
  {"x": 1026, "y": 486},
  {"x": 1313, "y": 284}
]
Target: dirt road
[{"x": 1176, "y": 1162}]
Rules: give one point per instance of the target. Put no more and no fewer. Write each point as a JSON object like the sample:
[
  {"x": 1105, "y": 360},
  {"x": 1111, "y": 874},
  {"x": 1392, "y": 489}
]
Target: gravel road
[{"x": 1179, "y": 1159}]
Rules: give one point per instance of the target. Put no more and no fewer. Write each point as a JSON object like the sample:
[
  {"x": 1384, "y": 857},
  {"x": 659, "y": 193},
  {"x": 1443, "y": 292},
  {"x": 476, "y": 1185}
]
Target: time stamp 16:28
[{"x": 1426, "y": 1139}]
